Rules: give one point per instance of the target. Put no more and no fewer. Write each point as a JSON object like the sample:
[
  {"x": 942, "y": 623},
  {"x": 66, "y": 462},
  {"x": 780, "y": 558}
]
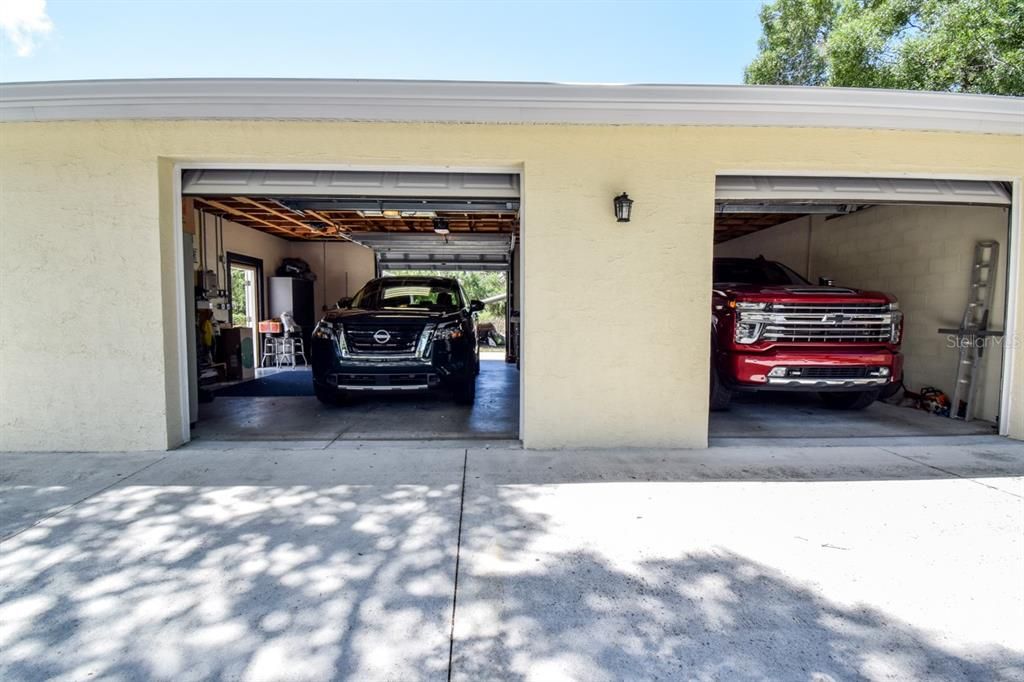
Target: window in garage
[
  {"x": 852, "y": 245},
  {"x": 318, "y": 238}
]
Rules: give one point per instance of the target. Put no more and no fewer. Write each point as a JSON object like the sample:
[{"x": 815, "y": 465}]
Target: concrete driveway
[{"x": 274, "y": 562}]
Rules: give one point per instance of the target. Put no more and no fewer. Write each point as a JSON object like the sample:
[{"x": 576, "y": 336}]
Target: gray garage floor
[
  {"x": 406, "y": 562},
  {"x": 494, "y": 415},
  {"x": 792, "y": 415}
]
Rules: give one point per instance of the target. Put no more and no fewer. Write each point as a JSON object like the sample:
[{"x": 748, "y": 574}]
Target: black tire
[
  {"x": 720, "y": 395},
  {"x": 889, "y": 390},
  {"x": 849, "y": 400},
  {"x": 465, "y": 391},
  {"x": 328, "y": 395}
]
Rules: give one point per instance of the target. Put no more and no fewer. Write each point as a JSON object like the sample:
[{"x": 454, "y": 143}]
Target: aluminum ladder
[{"x": 973, "y": 331}]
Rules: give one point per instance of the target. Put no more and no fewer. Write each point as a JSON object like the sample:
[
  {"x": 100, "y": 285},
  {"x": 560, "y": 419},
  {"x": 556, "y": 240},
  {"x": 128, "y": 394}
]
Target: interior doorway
[{"x": 245, "y": 294}]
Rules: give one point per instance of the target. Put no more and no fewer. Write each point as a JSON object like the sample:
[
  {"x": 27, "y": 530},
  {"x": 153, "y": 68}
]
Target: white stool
[
  {"x": 291, "y": 347},
  {"x": 270, "y": 344}
]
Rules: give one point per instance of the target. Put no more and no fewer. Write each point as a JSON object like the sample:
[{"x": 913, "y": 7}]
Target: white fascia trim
[{"x": 495, "y": 102}]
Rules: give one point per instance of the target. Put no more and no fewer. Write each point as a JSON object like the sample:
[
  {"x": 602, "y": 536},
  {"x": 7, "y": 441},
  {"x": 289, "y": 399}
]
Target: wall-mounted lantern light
[{"x": 623, "y": 207}]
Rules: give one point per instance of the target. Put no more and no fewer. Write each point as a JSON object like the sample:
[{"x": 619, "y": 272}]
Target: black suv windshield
[
  {"x": 402, "y": 293},
  {"x": 754, "y": 271}
]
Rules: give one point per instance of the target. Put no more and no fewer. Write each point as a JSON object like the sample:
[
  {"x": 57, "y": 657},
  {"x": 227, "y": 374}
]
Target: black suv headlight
[
  {"x": 326, "y": 330},
  {"x": 449, "y": 331}
]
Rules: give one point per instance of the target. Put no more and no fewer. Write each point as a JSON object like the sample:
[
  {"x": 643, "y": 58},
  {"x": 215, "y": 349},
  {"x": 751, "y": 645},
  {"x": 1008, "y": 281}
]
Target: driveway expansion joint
[
  {"x": 458, "y": 550},
  {"x": 950, "y": 473},
  {"x": 80, "y": 501}
]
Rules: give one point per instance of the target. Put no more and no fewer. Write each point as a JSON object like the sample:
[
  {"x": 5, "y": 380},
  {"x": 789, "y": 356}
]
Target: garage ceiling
[
  {"x": 748, "y": 203},
  {"x": 296, "y": 221},
  {"x": 332, "y": 205},
  {"x": 392, "y": 213}
]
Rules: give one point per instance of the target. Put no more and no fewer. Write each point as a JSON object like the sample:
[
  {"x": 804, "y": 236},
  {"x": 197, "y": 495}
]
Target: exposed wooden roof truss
[{"x": 273, "y": 217}]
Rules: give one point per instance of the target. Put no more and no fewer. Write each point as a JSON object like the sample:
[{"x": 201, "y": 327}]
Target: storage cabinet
[{"x": 295, "y": 296}]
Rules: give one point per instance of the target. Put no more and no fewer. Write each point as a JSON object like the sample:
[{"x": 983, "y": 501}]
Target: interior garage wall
[
  {"x": 920, "y": 254},
  {"x": 241, "y": 240},
  {"x": 787, "y": 243},
  {"x": 89, "y": 237},
  {"x": 341, "y": 268},
  {"x": 348, "y": 265}
]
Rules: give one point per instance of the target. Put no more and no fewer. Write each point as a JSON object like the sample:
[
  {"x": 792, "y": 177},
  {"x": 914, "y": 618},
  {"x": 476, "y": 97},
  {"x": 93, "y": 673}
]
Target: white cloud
[{"x": 23, "y": 22}]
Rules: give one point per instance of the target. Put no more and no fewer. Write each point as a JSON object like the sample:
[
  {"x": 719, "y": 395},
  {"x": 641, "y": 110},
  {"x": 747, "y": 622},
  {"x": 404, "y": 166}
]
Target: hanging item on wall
[
  {"x": 296, "y": 267},
  {"x": 211, "y": 282}
]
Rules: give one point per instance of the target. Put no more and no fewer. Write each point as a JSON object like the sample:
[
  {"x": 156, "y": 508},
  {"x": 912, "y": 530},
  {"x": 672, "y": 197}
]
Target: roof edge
[{"x": 509, "y": 102}]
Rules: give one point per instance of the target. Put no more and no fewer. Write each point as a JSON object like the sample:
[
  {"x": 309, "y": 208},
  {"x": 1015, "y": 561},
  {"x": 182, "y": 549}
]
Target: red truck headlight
[
  {"x": 747, "y": 332},
  {"x": 896, "y": 333},
  {"x": 750, "y": 321}
]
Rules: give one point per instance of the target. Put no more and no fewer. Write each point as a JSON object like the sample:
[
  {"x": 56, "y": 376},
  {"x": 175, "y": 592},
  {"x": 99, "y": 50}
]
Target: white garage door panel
[
  {"x": 351, "y": 183},
  {"x": 436, "y": 252},
  {"x": 823, "y": 190}
]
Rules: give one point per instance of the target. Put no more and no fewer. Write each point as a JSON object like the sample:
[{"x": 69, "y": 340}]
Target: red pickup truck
[{"x": 772, "y": 330}]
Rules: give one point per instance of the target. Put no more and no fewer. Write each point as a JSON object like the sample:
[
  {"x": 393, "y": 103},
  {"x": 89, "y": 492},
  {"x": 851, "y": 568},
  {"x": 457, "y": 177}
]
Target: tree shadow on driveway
[
  {"x": 298, "y": 566},
  {"x": 540, "y": 601},
  {"x": 322, "y": 565}
]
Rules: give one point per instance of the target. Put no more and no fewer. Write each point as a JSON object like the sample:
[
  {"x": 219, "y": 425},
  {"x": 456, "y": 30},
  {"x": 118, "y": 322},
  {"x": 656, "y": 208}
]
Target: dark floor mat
[{"x": 297, "y": 383}]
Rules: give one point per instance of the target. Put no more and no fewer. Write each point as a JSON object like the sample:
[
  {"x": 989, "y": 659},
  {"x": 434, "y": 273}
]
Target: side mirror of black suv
[
  {"x": 345, "y": 302},
  {"x": 476, "y": 306}
]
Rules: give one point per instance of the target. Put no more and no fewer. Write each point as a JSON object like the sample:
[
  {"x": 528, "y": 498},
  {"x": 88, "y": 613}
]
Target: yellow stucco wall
[{"x": 615, "y": 344}]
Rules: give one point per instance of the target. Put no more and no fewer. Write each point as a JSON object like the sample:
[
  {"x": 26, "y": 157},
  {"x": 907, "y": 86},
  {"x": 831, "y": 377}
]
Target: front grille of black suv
[{"x": 366, "y": 339}]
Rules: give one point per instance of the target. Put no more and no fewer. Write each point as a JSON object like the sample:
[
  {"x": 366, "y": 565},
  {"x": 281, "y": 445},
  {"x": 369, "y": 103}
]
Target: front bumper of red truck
[{"x": 803, "y": 370}]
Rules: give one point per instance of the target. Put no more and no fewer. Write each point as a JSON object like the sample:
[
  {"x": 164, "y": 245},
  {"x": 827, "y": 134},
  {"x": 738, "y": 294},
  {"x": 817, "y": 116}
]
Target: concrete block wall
[{"x": 922, "y": 255}]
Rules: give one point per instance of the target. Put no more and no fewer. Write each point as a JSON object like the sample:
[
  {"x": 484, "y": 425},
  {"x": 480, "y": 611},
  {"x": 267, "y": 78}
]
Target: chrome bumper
[
  {"x": 426, "y": 381},
  {"x": 417, "y": 387},
  {"x": 827, "y": 383}
]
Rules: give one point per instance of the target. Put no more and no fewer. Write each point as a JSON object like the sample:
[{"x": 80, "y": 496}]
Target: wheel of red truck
[
  {"x": 849, "y": 400},
  {"x": 720, "y": 395}
]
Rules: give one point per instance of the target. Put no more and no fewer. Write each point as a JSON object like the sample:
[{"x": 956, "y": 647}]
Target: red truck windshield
[{"x": 754, "y": 271}]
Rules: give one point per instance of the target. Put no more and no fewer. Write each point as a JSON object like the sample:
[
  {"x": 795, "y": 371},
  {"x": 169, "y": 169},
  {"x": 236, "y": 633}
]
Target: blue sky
[{"x": 610, "y": 42}]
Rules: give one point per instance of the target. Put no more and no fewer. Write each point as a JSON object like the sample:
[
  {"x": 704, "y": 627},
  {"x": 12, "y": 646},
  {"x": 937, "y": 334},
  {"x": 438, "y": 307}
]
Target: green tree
[
  {"x": 238, "y": 311},
  {"x": 946, "y": 45}
]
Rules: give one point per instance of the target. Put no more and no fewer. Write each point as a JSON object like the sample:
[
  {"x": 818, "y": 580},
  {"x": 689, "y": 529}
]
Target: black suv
[{"x": 398, "y": 334}]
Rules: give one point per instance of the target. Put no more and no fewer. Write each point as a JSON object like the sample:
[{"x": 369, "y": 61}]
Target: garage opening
[
  {"x": 370, "y": 305},
  {"x": 858, "y": 307}
]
